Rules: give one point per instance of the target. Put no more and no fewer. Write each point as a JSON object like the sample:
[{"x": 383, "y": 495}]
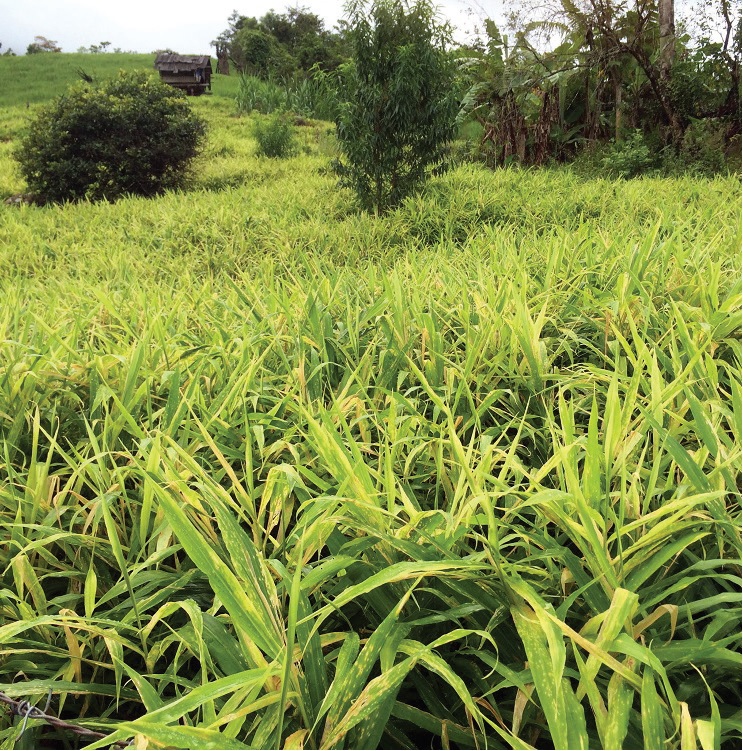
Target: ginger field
[{"x": 278, "y": 474}]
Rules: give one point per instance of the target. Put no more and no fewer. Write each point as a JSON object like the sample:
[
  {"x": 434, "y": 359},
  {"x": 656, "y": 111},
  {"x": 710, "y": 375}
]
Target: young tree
[{"x": 401, "y": 108}]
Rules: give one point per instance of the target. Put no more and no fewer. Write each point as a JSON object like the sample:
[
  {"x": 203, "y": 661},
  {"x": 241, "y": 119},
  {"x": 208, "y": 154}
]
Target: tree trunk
[
  {"x": 658, "y": 85},
  {"x": 667, "y": 36},
  {"x": 223, "y": 60}
]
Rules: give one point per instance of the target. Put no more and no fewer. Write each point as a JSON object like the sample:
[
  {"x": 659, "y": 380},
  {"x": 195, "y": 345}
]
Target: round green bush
[{"x": 130, "y": 134}]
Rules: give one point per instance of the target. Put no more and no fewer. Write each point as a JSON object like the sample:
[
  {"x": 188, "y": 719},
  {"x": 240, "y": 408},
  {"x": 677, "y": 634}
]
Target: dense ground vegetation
[{"x": 277, "y": 474}]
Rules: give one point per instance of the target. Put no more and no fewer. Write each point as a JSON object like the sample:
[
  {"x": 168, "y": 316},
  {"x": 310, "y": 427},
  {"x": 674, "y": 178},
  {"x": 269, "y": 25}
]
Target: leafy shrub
[
  {"x": 256, "y": 48},
  {"x": 275, "y": 135},
  {"x": 705, "y": 151},
  {"x": 629, "y": 158},
  {"x": 128, "y": 135},
  {"x": 399, "y": 111}
]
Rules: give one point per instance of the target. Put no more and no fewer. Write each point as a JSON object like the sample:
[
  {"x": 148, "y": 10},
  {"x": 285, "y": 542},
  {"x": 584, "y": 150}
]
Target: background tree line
[
  {"x": 623, "y": 86},
  {"x": 281, "y": 44},
  {"x": 623, "y": 82}
]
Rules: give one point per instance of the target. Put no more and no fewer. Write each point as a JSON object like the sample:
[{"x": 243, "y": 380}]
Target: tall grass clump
[
  {"x": 259, "y": 95},
  {"x": 316, "y": 95},
  {"x": 274, "y": 473},
  {"x": 312, "y": 96}
]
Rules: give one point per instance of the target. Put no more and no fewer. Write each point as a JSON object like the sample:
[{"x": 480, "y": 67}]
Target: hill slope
[{"x": 29, "y": 79}]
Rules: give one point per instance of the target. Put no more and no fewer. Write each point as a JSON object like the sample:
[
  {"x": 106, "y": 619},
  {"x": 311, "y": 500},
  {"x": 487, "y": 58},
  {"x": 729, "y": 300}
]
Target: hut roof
[{"x": 181, "y": 63}]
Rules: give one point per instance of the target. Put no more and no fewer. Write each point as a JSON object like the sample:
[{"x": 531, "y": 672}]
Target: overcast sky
[{"x": 186, "y": 26}]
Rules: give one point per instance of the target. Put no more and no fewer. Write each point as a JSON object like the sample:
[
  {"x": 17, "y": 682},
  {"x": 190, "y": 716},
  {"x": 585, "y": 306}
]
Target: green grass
[
  {"x": 30, "y": 79},
  {"x": 278, "y": 474}
]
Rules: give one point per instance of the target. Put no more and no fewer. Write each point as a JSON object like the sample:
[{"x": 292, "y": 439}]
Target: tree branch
[{"x": 22, "y": 708}]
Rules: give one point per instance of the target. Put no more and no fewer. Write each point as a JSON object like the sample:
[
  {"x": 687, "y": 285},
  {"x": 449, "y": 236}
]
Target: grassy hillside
[
  {"x": 29, "y": 79},
  {"x": 32, "y": 79},
  {"x": 277, "y": 474}
]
